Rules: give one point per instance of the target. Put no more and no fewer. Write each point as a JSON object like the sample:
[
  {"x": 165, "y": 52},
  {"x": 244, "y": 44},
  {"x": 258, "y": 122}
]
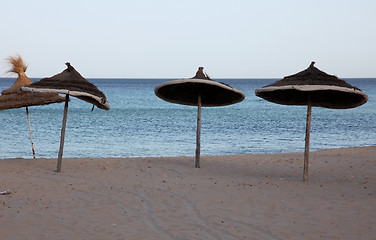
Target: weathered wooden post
[
  {"x": 60, "y": 156},
  {"x": 308, "y": 132},
  {"x": 198, "y": 133},
  {"x": 31, "y": 135}
]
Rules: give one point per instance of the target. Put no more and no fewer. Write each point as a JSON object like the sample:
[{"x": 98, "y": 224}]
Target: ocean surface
[{"x": 140, "y": 124}]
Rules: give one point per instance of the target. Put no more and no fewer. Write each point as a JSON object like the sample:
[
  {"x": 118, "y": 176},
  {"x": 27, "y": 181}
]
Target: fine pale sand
[{"x": 256, "y": 196}]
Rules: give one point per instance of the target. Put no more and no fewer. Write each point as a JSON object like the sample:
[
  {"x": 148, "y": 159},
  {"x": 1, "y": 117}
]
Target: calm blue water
[{"x": 141, "y": 124}]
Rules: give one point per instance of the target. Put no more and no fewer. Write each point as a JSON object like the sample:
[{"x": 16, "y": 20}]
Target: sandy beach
[{"x": 255, "y": 196}]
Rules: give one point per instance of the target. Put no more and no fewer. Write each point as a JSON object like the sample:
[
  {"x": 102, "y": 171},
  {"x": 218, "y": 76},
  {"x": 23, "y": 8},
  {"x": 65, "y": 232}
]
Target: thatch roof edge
[
  {"x": 311, "y": 88},
  {"x": 71, "y": 93},
  {"x": 198, "y": 81}
]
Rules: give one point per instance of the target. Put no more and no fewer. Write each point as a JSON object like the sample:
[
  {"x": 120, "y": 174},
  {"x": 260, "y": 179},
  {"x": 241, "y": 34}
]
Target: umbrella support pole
[
  {"x": 198, "y": 133},
  {"x": 308, "y": 132},
  {"x": 60, "y": 156},
  {"x": 31, "y": 135}
]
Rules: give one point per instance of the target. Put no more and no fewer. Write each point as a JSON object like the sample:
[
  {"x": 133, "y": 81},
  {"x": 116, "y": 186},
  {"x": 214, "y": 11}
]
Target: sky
[{"x": 172, "y": 38}]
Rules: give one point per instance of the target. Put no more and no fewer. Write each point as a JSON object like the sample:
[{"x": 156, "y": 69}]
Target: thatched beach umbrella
[
  {"x": 13, "y": 97},
  {"x": 69, "y": 82},
  {"x": 198, "y": 91},
  {"x": 313, "y": 88}
]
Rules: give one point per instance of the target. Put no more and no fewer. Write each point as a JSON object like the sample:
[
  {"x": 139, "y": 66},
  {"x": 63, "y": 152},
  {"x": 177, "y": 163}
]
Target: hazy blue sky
[{"x": 171, "y": 38}]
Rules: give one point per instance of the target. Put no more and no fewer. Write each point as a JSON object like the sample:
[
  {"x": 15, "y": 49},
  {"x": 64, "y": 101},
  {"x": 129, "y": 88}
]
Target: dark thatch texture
[
  {"x": 15, "y": 98},
  {"x": 312, "y": 76},
  {"x": 325, "y": 90},
  {"x": 25, "y": 99},
  {"x": 186, "y": 92},
  {"x": 71, "y": 82}
]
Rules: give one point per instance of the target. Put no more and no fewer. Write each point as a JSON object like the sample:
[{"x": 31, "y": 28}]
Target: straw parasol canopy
[
  {"x": 326, "y": 90},
  {"x": 72, "y": 83},
  {"x": 13, "y": 97},
  {"x": 186, "y": 91},
  {"x": 198, "y": 91},
  {"x": 313, "y": 87},
  {"x": 69, "y": 82}
]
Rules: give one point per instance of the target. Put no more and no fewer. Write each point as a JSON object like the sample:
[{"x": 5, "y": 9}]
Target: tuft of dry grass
[{"x": 18, "y": 65}]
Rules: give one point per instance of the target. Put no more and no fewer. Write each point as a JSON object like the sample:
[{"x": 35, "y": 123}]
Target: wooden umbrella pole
[
  {"x": 60, "y": 156},
  {"x": 198, "y": 133},
  {"x": 31, "y": 135},
  {"x": 308, "y": 132}
]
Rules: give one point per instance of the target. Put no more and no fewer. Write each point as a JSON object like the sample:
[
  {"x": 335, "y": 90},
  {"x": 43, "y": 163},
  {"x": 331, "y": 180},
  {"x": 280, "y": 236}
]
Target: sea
[{"x": 140, "y": 124}]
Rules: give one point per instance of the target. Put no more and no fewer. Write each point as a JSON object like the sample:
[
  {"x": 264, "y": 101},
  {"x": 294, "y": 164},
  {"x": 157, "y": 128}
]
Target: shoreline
[
  {"x": 189, "y": 156},
  {"x": 252, "y": 196}
]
